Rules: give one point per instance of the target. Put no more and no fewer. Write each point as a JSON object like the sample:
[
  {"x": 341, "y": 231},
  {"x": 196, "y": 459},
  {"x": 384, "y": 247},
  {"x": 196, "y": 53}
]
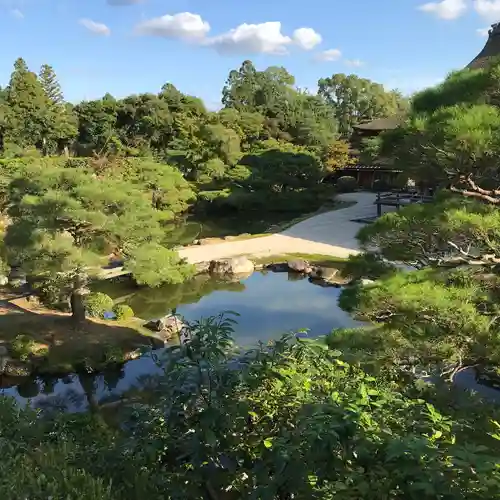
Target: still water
[{"x": 268, "y": 304}]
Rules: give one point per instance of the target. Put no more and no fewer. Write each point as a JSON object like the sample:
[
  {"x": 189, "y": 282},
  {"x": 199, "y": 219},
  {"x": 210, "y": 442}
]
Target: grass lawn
[{"x": 52, "y": 343}]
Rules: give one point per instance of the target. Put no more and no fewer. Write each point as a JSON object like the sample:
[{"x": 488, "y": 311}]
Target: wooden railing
[{"x": 400, "y": 199}]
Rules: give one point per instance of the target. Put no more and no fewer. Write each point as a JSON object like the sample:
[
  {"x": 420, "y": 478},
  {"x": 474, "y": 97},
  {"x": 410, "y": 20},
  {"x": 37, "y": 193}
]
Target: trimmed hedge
[
  {"x": 96, "y": 304},
  {"x": 123, "y": 311},
  {"x": 347, "y": 184}
]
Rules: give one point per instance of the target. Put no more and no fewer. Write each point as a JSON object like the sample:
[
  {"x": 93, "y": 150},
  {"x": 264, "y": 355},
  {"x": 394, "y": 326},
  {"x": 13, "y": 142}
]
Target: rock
[
  {"x": 299, "y": 266},
  {"x": 173, "y": 323},
  {"x": 323, "y": 283},
  {"x": 3, "y": 351},
  {"x": 280, "y": 267},
  {"x": 155, "y": 325},
  {"x": 167, "y": 326},
  {"x": 324, "y": 273},
  {"x": 328, "y": 276},
  {"x": 236, "y": 265},
  {"x": 4, "y": 280}
]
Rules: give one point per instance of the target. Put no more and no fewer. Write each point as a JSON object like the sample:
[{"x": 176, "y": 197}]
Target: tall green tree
[
  {"x": 50, "y": 84},
  {"x": 27, "y": 108},
  {"x": 65, "y": 219},
  {"x": 356, "y": 99},
  {"x": 61, "y": 122}
]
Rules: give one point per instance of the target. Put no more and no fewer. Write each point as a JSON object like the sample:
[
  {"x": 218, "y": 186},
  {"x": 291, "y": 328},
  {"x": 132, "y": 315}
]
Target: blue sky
[{"x": 96, "y": 47}]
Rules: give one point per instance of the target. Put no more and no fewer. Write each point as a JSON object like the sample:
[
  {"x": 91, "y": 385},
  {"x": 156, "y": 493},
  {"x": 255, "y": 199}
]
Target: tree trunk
[
  {"x": 77, "y": 306},
  {"x": 76, "y": 300}
]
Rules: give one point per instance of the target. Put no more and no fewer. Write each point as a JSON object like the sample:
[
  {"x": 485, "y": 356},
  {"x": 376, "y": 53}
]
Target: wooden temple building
[{"x": 382, "y": 170}]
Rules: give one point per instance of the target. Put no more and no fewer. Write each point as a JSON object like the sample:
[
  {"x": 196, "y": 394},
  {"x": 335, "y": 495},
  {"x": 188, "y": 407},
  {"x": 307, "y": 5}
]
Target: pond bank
[
  {"x": 36, "y": 340},
  {"x": 331, "y": 233}
]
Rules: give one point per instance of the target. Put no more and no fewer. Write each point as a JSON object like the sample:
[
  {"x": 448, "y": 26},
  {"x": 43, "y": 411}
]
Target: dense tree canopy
[
  {"x": 448, "y": 308},
  {"x": 66, "y": 219},
  {"x": 212, "y": 150},
  {"x": 350, "y": 418},
  {"x": 357, "y": 99}
]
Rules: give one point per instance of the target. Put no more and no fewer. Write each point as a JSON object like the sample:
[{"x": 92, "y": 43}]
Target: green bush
[
  {"x": 123, "y": 311},
  {"x": 347, "y": 184},
  {"x": 96, "y": 304},
  {"x": 53, "y": 292},
  {"x": 22, "y": 347}
]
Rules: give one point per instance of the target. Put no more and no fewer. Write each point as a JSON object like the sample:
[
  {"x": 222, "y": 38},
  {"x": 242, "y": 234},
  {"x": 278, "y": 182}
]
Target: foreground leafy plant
[{"x": 287, "y": 420}]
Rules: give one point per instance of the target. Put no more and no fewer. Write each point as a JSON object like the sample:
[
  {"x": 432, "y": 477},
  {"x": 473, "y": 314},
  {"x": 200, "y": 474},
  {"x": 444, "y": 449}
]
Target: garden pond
[{"x": 268, "y": 304}]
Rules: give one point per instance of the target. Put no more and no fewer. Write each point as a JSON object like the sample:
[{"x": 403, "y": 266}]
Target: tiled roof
[
  {"x": 388, "y": 123},
  {"x": 490, "y": 51},
  {"x": 372, "y": 167}
]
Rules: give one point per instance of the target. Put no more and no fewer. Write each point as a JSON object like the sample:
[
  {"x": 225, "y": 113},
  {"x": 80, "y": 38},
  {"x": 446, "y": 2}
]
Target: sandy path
[{"x": 331, "y": 233}]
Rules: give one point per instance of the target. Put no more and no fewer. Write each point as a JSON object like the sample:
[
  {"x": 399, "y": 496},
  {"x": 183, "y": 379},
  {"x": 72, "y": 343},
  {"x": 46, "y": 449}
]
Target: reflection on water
[
  {"x": 77, "y": 392},
  {"x": 269, "y": 304}
]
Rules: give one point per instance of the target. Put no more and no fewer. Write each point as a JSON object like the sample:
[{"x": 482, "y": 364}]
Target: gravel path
[{"x": 331, "y": 233}]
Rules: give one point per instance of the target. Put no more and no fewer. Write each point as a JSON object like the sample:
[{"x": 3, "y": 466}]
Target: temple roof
[
  {"x": 381, "y": 124},
  {"x": 490, "y": 50}
]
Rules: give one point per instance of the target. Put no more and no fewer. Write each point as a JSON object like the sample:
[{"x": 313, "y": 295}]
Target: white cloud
[
  {"x": 306, "y": 38},
  {"x": 184, "y": 25},
  {"x": 116, "y": 3},
  {"x": 446, "y": 9},
  {"x": 488, "y": 9},
  {"x": 483, "y": 31},
  {"x": 97, "y": 28},
  {"x": 354, "y": 63},
  {"x": 17, "y": 14},
  {"x": 265, "y": 38},
  {"x": 329, "y": 55}
]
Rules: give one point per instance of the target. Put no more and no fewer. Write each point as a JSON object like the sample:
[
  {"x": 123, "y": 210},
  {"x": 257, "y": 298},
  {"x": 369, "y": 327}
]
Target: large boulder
[
  {"x": 324, "y": 273},
  {"x": 168, "y": 325},
  {"x": 235, "y": 265},
  {"x": 328, "y": 276},
  {"x": 299, "y": 266}
]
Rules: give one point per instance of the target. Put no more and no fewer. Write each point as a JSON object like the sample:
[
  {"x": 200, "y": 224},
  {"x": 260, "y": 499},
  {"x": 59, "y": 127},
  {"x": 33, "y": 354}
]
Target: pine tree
[
  {"x": 50, "y": 84},
  {"x": 61, "y": 123},
  {"x": 28, "y": 106}
]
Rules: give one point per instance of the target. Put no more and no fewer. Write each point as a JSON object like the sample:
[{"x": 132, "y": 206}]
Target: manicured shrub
[
  {"x": 22, "y": 346},
  {"x": 96, "y": 304},
  {"x": 347, "y": 184},
  {"x": 123, "y": 311}
]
